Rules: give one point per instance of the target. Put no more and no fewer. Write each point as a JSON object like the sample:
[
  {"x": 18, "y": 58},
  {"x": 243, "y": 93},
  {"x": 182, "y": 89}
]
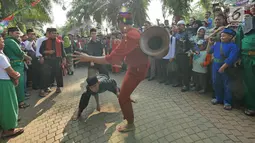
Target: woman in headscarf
[
  {"x": 200, "y": 35},
  {"x": 8, "y": 98},
  {"x": 197, "y": 24},
  {"x": 192, "y": 30}
]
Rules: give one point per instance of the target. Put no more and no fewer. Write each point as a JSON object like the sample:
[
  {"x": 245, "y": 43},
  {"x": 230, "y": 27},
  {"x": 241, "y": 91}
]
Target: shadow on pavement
[{"x": 98, "y": 127}]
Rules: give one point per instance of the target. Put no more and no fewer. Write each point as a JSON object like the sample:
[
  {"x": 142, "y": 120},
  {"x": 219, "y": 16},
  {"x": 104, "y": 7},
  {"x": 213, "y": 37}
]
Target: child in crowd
[
  {"x": 200, "y": 62},
  {"x": 225, "y": 55},
  {"x": 208, "y": 20}
]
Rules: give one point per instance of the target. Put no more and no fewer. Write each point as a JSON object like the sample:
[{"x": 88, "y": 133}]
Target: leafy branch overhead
[
  {"x": 108, "y": 9},
  {"x": 36, "y": 16}
]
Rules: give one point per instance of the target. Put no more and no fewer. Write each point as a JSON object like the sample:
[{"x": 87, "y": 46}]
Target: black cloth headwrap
[
  {"x": 199, "y": 23},
  {"x": 30, "y": 30},
  {"x": 52, "y": 30},
  {"x": 13, "y": 29},
  {"x": 92, "y": 81}
]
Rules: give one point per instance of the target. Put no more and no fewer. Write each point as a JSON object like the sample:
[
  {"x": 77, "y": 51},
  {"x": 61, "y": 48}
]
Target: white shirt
[
  {"x": 171, "y": 51},
  {"x": 29, "y": 45},
  {"x": 38, "y": 45},
  {"x": 4, "y": 63}
]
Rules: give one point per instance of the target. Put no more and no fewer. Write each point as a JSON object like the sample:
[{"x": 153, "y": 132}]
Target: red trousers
[{"x": 133, "y": 77}]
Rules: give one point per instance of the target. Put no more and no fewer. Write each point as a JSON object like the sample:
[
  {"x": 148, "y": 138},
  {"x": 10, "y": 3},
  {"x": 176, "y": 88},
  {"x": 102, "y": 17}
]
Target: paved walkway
[{"x": 162, "y": 115}]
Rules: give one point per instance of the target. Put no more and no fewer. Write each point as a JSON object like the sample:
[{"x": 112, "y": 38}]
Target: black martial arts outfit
[{"x": 105, "y": 84}]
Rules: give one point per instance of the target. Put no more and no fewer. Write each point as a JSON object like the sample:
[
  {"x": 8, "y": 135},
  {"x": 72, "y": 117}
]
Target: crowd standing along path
[{"x": 162, "y": 115}]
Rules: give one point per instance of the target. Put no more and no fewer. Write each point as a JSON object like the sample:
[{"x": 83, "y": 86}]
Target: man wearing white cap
[{"x": 182, "y": 58}]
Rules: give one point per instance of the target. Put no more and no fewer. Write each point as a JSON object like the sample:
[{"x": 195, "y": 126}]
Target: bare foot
[
  {"x": 98, "y": 108},
  {"x": 126, "y": 128},
  {"x": 133, "y": 101},
  {"x": 76, "y": 116},
  {"x": 117, "y": 91}
]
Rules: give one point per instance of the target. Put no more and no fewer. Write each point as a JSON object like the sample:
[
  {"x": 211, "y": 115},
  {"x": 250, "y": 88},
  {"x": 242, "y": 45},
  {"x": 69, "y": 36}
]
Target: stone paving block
[
  {"x": 146, "y": 140},
  {"x": 69, "y": 141},
  {"x": 236, "y": 133},
  {"x": 233, "y": 138},
  {"x": 208, "y": 141},
  {"x": 163, "y": 140},
  {"x": 170, "y": 138},
  {"x": 78, "y": 138},
  {"x": 244, "y": 139},
  {"x": 52, "y": 140},
  {"x": 202, "y": 135},
  {"x": 85, "y": 140},
  {"x": 194, "y": 137},
  {"x": 225, "y": 131},
  {"x": 50, "y": 135},
  {"x": 187, "y": 139},
  {"x": 222, "y": 137}
]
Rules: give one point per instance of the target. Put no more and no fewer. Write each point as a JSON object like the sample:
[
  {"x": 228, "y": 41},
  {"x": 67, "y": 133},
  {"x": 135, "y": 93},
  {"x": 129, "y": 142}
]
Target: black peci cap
[
  {"x": 92, "y": 80},
  {"x": 13, "y": 29}
]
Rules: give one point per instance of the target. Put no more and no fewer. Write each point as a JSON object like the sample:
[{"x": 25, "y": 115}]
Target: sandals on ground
[
  {"x": 124, "y": 129},
  {"x": 249, "y": 112},
  {"x": 23, "y": 105},
  {"x": 15, "y": 132},
  {"x": 227, "y": 107},
  {"x": 58, "y": 90},
  {"x": 214, "y": 101}
]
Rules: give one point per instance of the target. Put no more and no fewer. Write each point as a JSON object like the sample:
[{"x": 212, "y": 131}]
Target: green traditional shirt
[
  {"x": 246, "y": 42},
  {"x": 13, "y": 51}
]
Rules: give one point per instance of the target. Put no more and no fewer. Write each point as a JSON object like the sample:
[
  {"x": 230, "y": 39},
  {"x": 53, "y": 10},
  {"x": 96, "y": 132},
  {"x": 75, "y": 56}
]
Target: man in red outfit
[{"x": 136, "y": 60}]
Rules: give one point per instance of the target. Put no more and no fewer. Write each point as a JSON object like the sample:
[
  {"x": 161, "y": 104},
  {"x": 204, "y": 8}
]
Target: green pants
[
  {"x": 249, "y": 81},
  {"x": 8, "y": 105},
  {"x": 20, "y": 89}
]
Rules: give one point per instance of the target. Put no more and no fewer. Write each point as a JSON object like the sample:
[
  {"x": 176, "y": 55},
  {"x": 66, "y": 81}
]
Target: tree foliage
[
  {"x": 33, "y": 17},
  {"x": 108, "y": 10},
  {"x": 177, "y": 7},
  {"x": 99, "y": 10}
]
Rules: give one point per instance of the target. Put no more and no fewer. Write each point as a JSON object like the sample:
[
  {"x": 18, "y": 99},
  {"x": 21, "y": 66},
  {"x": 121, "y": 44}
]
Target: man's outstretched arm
[{"x": 127, "y": 45}]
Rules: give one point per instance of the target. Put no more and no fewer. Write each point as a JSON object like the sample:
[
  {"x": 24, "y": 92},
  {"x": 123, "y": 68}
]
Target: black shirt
[
  {"x": 105, "y": 84},
  {"x": 95, "y": 48}
]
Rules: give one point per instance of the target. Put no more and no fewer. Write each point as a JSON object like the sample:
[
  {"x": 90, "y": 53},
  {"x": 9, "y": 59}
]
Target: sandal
[
  {"x": 76, "y": 115},
  {"x": 58, "y": 90},
  {"x": 23, "y": 105},
  {"x": 249, "y": 112},
  {"x": 19, "y": 119},
  {"x": 214, "y": 101},
  {"x": 125, "y": 128},
  {"x": 48, "y": 90},
  {"x": 15, "y": 132},
  {"x": 42, "y": 94},
  {"x": 227, "y": 107}
]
